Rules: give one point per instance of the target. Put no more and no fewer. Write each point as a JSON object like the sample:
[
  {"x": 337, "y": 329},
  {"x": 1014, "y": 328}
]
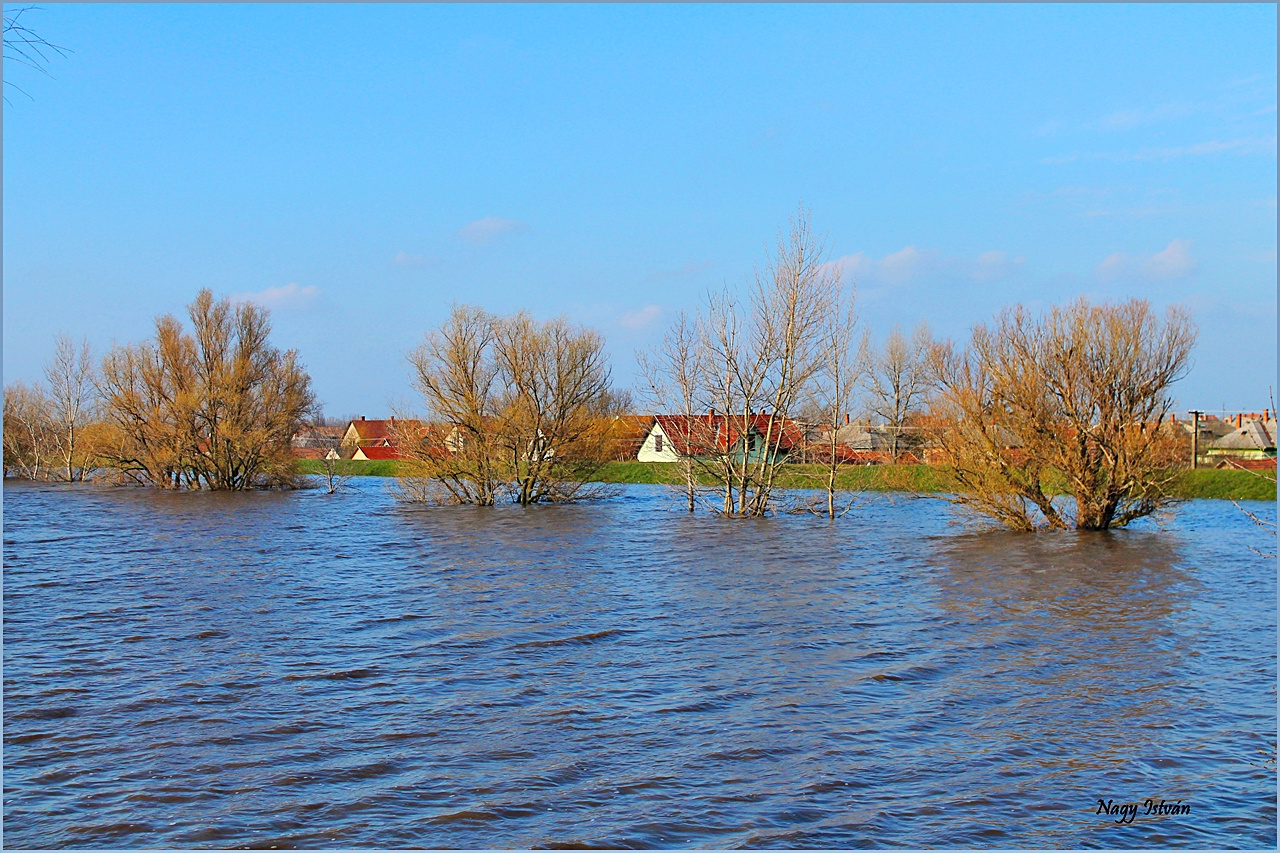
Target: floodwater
[{"x": 305, "y": 670}]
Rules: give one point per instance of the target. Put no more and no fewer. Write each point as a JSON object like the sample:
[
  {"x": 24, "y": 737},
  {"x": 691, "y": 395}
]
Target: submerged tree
[
  {"x": 73, "y": 400},
  {"x": 898, "y": 379},
  {"x": 519, "y": 410},
  {"x": 215, "y": 408},
  {"x": 1081, "y": 394},
  {"x": 835, "y": 386},
  {"x": 674, "y": 371},
  {"x": 30, "y": 448},
  {"x": 49, "y": 429},
  {"x": 750, "y": 368}
]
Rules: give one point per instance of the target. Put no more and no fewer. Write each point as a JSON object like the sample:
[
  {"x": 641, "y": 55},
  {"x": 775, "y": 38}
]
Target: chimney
[
  {"x": 1173, "y": 419},
  {"x": 1239, "y": 421},
  {"x": 362, "y": 417},
  {"x": 1266, "y": 414},
  {"x": 846, "y": 418}
]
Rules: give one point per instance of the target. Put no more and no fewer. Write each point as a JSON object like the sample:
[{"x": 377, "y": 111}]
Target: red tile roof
[
  {"x": 379, "y": 431},
  {"x": 374, "y": 453},
  {"x": 699, "y": 435}
]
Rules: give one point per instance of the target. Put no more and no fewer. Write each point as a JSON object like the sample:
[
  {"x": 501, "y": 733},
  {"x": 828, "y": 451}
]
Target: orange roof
[{"x": 625, "y": 427}]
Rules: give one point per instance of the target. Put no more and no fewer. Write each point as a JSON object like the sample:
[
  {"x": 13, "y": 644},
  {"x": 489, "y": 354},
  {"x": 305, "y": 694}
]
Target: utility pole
[{"x": 1195, "y": 437}]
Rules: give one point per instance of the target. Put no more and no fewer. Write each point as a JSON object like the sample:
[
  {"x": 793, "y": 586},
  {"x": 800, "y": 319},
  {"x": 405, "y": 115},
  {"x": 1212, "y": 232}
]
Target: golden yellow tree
[
  {"x": 1079, "y": 394},
  {"x": 519, "y": 409},
  {"x": 214, "y": 408}
]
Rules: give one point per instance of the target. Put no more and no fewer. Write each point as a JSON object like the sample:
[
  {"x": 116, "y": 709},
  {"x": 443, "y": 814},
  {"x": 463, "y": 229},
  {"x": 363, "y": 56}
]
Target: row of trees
[
  {"x": 214, "y": 407},
  {"x": 521, "y": 410},
  {"x": 1076, "y": 398}
]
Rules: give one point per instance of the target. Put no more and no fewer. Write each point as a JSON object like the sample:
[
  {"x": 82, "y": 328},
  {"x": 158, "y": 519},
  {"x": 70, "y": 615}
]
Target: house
[
  {"x": 375, "y": 453},
  {"x": 855, "y": 443},
  {"x": 627, "y": 434},
  {"x": 314, "y": 442},
  {"x": 1253, "y": 439},
  {"x": 675, "y": 437},
  {"x": 366, "y": 433},
  {"x": 380, "y": 433},
  {"x": 377, "y": 438}
]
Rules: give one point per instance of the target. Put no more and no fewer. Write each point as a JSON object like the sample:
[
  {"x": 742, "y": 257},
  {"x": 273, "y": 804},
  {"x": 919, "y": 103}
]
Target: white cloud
[
  {"x": 1249, "y": 145},
  {"x": 404, "y": 259},
  {"x": 1129, "y": 119},
  {"x": 1114, "y": 266},
  {"x": 911, "y": 265},
  {"x": 290, "y": 296},
  {"x": 639, "y": 319},
  {"x": 1244, "y": 145},
  {"x": 995, "y": 266},
  {"x": 490, "y": 228},
  {"x": 1172, "y": 263},
  {"x": 905, "y": 265}
]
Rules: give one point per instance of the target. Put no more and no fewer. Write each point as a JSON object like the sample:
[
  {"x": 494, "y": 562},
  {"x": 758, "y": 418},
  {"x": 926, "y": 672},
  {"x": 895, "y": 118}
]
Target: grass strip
[{"x": 1203, "y": 483}]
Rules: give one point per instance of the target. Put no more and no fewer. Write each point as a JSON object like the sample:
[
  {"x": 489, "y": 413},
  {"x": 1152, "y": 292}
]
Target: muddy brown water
[{"x": 304, "y": 670}]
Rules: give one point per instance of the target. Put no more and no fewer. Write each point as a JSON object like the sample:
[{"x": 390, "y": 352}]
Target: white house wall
[{"x": 648, "y": 451}]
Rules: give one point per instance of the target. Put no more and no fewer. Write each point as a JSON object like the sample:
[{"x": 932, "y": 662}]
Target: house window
[{"x": 657, "y": 443}]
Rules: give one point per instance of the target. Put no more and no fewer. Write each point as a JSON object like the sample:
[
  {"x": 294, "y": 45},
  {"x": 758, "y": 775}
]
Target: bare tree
[
  {"x": 213, "y": 409},
  {"x": 674, "y": 371},
  {"x": 73, "y": 404},
  {"x": 834, "y": 388},
  {"x": 333, "y": 476},
  {"x": 521, "y": 409},
  {"x": 1081, "y": 392},
  {"x": 898, "y": 380},
  {"x": 29, "y": 444},
  {"x": 24, "y": 46},
  {"x": 753, "y": 364}
]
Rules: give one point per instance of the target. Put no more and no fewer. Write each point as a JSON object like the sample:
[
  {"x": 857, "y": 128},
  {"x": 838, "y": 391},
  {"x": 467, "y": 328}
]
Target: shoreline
[{"x": 1202, "y": 483}]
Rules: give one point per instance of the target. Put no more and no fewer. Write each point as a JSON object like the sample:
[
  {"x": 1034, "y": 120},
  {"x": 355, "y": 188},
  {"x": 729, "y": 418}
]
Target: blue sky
[{"x": 357, "y": 168}]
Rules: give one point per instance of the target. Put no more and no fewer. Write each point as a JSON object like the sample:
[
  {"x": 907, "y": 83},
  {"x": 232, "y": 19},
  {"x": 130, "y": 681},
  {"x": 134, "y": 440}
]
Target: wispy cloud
[
  {"x": 996, "y": 266},
  {"x": 911, "y": 265},
  {"x": 691, "y": 268},
  {"x": 1245, "y": 145},
  {"x": 1172, "y": 263},
  {"x": 1129, "y": 119},
  {"x": 290, "y": 296},
  {"x": 639, "y": 319},
  {"x": 490, "y": 228},
  {"x": 404, "y": 259}
]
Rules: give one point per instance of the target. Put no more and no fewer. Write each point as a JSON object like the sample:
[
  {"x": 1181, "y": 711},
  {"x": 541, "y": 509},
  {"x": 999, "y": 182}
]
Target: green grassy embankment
[
  {"x": 1204, "y": 483},
  {"x": 1228, "y": 485},
  {"x": 876, "y": 478},
  {"x": 350, "y": 467}
]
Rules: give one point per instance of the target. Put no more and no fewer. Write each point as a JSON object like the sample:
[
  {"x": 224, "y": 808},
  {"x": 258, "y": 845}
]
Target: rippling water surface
[{"x": 187, "y": 670}]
